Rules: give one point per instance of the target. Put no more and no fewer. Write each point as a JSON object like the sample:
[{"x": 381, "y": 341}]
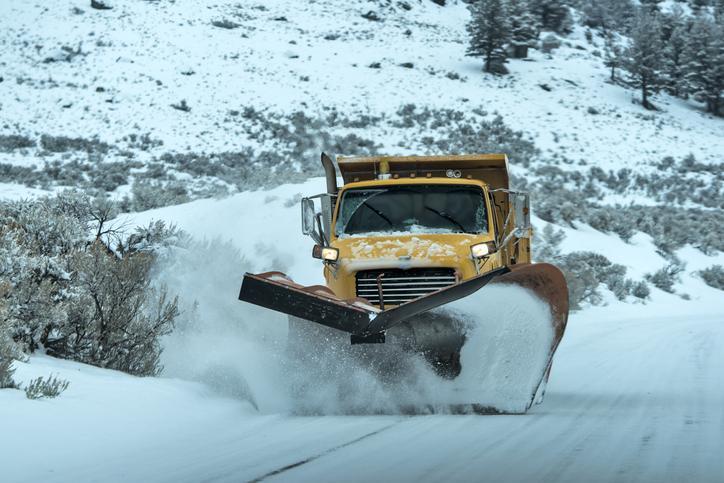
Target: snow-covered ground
[{"x": 628, "y": 400}]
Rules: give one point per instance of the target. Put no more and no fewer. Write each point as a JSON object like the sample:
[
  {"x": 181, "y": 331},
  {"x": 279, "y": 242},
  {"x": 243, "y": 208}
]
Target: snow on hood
[{"x": 418, "y": 247}]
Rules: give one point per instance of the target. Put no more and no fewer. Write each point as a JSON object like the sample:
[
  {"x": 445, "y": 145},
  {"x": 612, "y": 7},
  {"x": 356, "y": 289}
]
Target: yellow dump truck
[{"x": 407, "y": 245}]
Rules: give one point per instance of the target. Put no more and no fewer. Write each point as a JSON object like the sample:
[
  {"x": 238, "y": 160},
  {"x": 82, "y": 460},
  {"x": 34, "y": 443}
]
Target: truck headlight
[
  {"x": 328, "y": 254},
  {"x": 482, "y": 249}
]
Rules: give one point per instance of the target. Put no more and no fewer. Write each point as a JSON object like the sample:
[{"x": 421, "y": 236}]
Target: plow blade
[
  {"x": 498, "y": 341},
  {"x": 513, "y": 329}
]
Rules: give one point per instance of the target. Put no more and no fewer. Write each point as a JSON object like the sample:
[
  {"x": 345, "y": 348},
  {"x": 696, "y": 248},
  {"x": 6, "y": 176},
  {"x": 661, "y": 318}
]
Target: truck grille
[{"x": 400, "y": 286}]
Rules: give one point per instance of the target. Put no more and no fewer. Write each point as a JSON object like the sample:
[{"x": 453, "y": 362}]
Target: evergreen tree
[
  {"x": 704, "y": 68},
  {"x": 650, "y": 5},
  {"x": 552, "y": 15},
  {"x": 675, "y": 34},
  {"x": 489, "y": 30},
  {"x": 608, "y": 14},
  {"x": 719, "y": 11},
  {"x": 594, "y": 13},
  {"x": 643, "y": 57},
  {"x": 697, "y": 5},
  {"x": 523, "y": 26}
]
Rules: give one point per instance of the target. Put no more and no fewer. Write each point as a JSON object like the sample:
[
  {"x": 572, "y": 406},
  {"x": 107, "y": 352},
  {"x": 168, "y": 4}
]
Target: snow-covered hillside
[{"x": 137, "y": 60}]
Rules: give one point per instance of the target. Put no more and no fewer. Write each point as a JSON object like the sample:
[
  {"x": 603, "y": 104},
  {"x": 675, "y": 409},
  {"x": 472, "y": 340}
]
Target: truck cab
[{"x": 404, "y": 227}]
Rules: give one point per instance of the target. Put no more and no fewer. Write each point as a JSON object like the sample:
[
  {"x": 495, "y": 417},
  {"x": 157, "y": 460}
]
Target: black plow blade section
[
  {"x": 316, "y": 304},
  {"x": 301, "y": 302},
  {"x": 376, "y": 338}
]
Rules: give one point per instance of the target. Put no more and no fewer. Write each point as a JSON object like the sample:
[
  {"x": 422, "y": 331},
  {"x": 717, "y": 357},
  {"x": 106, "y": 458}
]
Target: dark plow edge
[{"x": 325, "y": 309}]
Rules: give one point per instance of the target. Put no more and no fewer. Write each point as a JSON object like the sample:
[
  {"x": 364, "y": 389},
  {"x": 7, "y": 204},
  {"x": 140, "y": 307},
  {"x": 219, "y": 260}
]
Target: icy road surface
[{"x": 636, "y": 400}]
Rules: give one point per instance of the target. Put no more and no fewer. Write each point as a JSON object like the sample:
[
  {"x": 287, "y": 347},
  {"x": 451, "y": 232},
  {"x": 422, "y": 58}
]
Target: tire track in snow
[{"x": 329, "y": 451}]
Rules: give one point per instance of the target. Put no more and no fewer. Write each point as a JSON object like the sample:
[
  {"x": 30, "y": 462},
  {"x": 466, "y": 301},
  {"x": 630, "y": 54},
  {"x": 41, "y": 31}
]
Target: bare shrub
[
  {"x": 154, "y": 194},
  {"x": 72, "y": 291},
  {"x": 62, "y": 144},
  {"x": 182, "y": 106},
  {"x": 640, "y": 290},
  {"x": 6, "y": 373},
  {"x": 713, "y": 276},
  {"x": 225, "y": 24},
  {"x": 666, "y": 277},
  {"x": 585, "y": 271},
  {"x": 50, "y": 387},
  {"x": 11, "y": 142},
  {"x": 8, "y": 350}
]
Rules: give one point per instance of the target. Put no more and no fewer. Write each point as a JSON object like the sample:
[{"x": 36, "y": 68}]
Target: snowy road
[
  {"x": 632, "y": 401},
  {"x": 639, "y": 400}
]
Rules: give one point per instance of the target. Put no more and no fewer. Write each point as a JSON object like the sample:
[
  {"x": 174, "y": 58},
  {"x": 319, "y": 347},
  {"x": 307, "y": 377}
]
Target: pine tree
[
  {"x": 697, "y": 5},
  {"x": 489, "y": 30},
  {"x": 650, "y": 5},
  {"x": 676, "y": 33},
  {"x": 594, "y": 13},
  {"x": 524, "y": 28},
  {"x": 719, "y": 10},
  {"x": 552, "y": 15},
  {"x": 643, "y": 57},
  {"x": 704, "y": 68},
  {"x": 608, "y": 14}
]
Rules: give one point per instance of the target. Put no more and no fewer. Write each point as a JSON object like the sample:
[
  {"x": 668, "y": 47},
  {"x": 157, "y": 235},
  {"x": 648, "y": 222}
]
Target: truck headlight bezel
[
  {"x": 328, "y": 254},
  {"x": 482, "y": 250}
]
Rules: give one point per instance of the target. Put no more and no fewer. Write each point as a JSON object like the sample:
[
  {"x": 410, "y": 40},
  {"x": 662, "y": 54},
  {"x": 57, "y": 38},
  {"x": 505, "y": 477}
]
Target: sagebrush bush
[
  {"x": 640, "y": 290},
  {"x": 11, "y": 142},
  {"x": 713, "y": 276},
  {"x": 7, "y": 349},
  {"x": 586, "y": 271},
  {"x": 62, "y": 144},
  {"x": 6, "y": 359},
  {"x": 155, "y": 194},
  {"x": 81, "y": 288},
  {"x": 6, "y": 372},
  {"x": 665, "y": 278},
  {"x": 50, "y": 387}
]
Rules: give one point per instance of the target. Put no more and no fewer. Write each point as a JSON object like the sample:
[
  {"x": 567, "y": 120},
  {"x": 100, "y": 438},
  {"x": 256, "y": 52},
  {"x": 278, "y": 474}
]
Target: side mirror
[
  {"x": 315, "y": 224},
  {"x": 308, "y": 217},
  {"x": 521, "y": 207}
]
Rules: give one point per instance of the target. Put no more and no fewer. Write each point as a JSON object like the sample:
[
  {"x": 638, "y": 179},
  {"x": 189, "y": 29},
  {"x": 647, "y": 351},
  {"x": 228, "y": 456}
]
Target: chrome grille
[{"x": 400, "y": 286}]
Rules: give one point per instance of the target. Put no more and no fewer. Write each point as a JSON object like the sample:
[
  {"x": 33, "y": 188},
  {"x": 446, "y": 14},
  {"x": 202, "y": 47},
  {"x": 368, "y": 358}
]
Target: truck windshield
[{"x": 413, "y": 208}]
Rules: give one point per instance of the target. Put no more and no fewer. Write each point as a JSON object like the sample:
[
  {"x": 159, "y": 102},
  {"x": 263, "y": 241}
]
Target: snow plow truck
[{"x": 429, "y": 255}]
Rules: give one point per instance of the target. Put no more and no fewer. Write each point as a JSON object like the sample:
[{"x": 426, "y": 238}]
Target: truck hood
[{"x": 405, "y": 251}]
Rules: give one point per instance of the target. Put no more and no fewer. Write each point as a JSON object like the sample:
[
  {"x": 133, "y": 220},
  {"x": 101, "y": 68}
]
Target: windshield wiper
[
  {"x": 377, "y": 212},
  {"x": 447, "y": 217}
]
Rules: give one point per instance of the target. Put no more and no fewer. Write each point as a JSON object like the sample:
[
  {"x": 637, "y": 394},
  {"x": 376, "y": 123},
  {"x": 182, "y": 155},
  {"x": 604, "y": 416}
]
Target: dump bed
[{"x": 490, "y": 168}]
